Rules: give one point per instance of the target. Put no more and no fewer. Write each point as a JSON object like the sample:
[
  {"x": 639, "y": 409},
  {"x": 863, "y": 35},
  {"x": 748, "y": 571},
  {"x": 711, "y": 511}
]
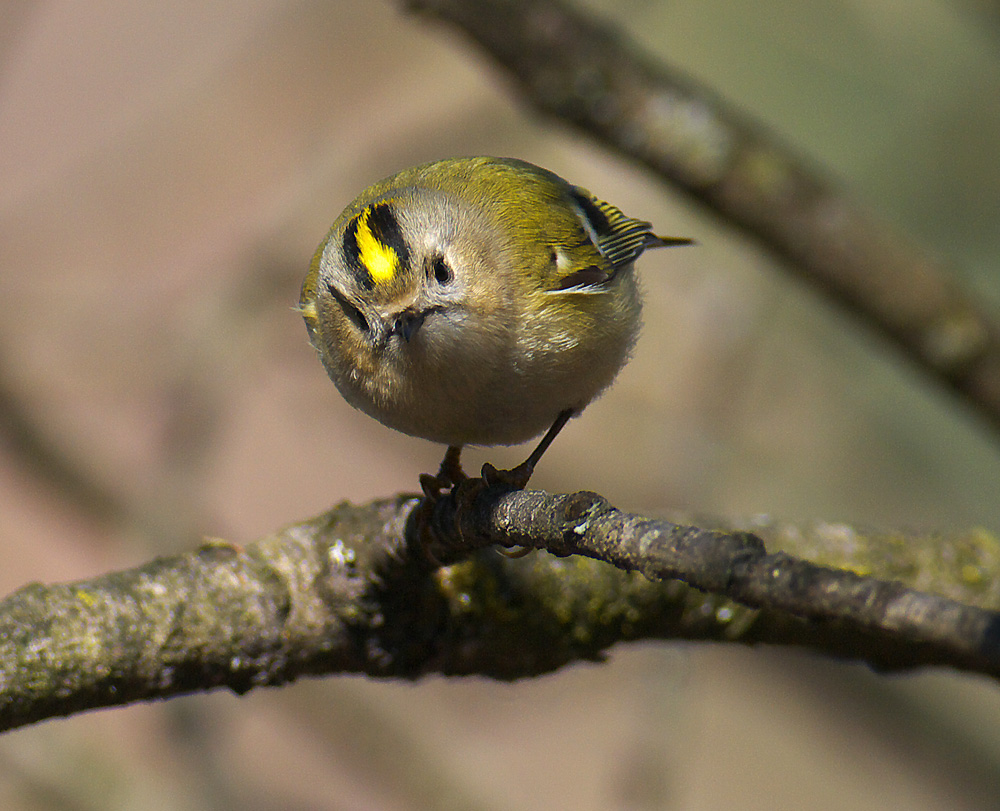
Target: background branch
[{"x": 586, "y": 73}]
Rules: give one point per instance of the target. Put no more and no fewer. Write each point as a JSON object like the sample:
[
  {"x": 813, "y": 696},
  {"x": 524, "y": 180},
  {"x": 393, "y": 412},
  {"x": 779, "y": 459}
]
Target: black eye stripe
[{"x": 350, "y": 310}]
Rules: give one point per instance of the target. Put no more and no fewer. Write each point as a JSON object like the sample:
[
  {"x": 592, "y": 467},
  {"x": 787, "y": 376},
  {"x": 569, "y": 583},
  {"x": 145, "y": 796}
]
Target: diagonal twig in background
[{"x": 584, "y": 72}]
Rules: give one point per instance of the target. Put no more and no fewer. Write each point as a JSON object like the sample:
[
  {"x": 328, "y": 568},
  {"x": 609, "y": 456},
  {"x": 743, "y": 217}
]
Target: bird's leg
[
  {"x": 450, "y": 477},
  {"x": 517, "y": 478},
  {"x": 451, "y": 465},
  {"x": 449, "y": 474}
]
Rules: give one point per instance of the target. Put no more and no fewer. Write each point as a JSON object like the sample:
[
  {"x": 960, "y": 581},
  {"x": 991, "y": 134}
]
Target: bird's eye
[
  {"x": 442, "y": 273},
  {"x": 354, "y": 315}
]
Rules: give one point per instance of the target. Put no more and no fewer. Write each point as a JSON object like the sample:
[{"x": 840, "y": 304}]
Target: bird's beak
[{"x": 406, "y": 324}]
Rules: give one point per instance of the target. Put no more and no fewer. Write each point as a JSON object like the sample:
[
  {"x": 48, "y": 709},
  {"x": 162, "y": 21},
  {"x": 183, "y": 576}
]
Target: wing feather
[{"x": 619, "y": 238}]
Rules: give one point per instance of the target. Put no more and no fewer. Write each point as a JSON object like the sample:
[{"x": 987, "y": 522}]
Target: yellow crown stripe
[{"x": 381, "y": 261}]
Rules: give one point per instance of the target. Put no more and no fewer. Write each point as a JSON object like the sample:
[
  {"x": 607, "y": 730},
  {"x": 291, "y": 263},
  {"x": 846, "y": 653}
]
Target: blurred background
[{"x": 166, "y": 171}]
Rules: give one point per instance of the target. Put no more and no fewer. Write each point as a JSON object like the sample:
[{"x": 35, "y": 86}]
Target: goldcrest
[{"x": 476, "y": 301}]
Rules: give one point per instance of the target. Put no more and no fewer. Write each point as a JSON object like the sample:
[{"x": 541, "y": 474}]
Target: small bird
[{"x": 476, "y": 301}]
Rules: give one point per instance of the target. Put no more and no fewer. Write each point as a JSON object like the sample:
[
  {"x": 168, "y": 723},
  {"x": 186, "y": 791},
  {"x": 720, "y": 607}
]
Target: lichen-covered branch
[
  {"x": 355, "y": 591},
  {"x": 584, "y": 72}
]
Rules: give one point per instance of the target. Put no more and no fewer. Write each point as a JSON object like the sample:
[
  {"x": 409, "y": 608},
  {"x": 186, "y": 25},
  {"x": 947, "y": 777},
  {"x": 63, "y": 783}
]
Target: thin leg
[
  {"x": 451, "y": 465},
  {"x": 546, "y": 440},
  {"x": 449, "y": 474},
  {"x": 518, "y": 477}
]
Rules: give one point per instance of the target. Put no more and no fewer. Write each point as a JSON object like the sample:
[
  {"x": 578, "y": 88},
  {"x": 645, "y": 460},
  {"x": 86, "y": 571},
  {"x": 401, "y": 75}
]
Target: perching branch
[
  {"x": 584, "y": 72},
  {"x": 353, "y": 591}
]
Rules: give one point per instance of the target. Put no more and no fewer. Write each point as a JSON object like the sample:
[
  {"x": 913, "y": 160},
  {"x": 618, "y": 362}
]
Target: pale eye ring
[{"x": 443, "y": 274}]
